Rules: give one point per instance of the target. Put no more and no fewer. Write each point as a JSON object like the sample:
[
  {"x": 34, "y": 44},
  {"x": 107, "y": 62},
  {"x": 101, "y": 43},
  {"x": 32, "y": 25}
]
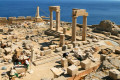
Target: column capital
[
  {"x": 58, "y": 11},
  {"x": 74, "y": 16}
]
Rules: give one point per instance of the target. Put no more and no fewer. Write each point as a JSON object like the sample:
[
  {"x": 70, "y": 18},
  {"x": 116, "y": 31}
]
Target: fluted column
[
  {"x": 84, "y": 28},
  {"x": 51, "y": 20},
  {"x": 74, "y": 20},
  {"x": 57, "y": 20}
]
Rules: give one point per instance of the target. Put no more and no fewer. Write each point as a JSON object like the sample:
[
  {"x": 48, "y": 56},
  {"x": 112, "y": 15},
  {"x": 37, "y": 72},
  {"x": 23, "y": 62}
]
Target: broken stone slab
[
  {"x": 114, "y": 74},
  {"x": 58, "y": 49},
  {"x": 72, "y": 70},
  {"x": 85, "y": 64}
]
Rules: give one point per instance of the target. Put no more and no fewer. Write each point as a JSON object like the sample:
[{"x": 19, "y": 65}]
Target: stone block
[
  {"x": 72, "y": 70},
  {"x": 8, "y": 50},
  {"x": 47, "y": 52},
  {"x": 75, "y": 44},
  {"x": 64, "y": 62},
  {"x": 57, "y": 46},
  {"x": 58, "y": 49},
  {"x": 86, "y": 64},
  {"x": 9, "y": 44},
  {"x": 42, "y": 53},
  {"x": 85, "y": 42},
  {"x": 103, "y": 57},
  {"x": 52, "y": 47},
  {"x": 45, "y": 48},
  {"x": 64, "y": 47},
  {"x": 75, "y": 62},
  {"x": 114, "y": 74},
  {"x": 70, "y": 46},
  {"x": 89, "y": 41}
]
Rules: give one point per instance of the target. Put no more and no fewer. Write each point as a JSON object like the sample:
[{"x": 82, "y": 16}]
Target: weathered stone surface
[
  {"x": 108, "y": 34},
  {"x": 64, "y": 62},
  {"x": 64, "y": 47},
  {"x": 70, "y": 46},
  {"x": 74, "y": 62},
  {"x": 85, "y": 64},
  {"x": 114, "y": 74},
  {"x": 109, "y": 26},
  {"x": 72, "y": 70},
  {"x": 8, "y": 50},
  {"x": 103, "y": 57},
  {"x": 47, "y": 52},
  {"x": 42, "y": 53},
  {"x": 45, "y": 48},
  {"x": 58, "y": 49}
]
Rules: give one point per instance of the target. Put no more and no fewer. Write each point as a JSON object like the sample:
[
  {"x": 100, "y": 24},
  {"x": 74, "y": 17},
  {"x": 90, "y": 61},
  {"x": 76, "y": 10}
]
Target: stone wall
[{"x": 10, "y": 20}]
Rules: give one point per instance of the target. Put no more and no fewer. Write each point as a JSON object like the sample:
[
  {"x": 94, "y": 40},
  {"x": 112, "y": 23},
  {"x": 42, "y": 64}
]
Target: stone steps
[{"x": 56, "y": 34}]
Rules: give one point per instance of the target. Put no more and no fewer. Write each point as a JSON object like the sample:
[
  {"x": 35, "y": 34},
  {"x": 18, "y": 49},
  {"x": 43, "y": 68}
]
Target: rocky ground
[{"x": 26, "y": 37}]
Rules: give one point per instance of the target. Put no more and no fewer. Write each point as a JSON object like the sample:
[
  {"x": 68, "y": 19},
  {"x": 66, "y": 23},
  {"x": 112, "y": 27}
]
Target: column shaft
[
  {"x": 57, "y": 21},
  {"x": 62, "y": 40},
  {"x": 74, "y": 20},
  {"x": 84, "y": 28},
  {"x": 51, "y": 20}
]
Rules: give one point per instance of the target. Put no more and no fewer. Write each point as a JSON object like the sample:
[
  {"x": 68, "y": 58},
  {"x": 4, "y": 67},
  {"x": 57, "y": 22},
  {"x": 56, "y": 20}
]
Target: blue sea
[{"x": 98, "y": 10}]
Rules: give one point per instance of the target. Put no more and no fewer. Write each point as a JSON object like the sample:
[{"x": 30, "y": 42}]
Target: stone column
[
  {"x": 84, "y": 28},
  {"x": 74, "y": 20},
  {"x": 62, "y": 40},
  {"x": 37, "y": 12},
  {"x": 64, "y": 31},
  {"x": 57, "y": 20},
  {"x": 32, "y": 55},
  {"x": 51, "y": 20}
]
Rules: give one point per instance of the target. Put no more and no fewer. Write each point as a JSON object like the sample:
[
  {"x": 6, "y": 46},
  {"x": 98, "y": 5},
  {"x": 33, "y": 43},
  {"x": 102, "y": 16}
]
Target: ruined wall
[{"x": 10, "y": 20}]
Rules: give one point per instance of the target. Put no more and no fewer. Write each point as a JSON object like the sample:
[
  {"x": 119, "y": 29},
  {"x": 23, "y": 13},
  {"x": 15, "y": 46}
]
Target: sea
[{"x": 98, "y": 10}]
